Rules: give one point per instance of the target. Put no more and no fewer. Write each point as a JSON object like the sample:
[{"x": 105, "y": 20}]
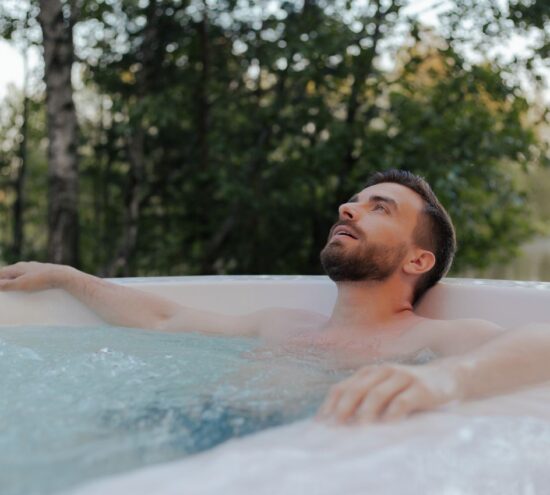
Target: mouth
[{"x": 343, "y": 231}]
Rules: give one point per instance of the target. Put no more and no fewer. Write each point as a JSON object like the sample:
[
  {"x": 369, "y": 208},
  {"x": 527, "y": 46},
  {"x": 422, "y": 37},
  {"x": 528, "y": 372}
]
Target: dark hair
[{"x": 435, "y": 233}]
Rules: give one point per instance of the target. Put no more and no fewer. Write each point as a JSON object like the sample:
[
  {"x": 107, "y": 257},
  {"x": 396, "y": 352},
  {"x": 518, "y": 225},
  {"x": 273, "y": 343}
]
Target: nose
[{"x": 347, "y": 211}]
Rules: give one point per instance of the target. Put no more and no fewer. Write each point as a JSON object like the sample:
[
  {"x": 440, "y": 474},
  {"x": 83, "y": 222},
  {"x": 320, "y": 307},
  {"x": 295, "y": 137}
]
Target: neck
[{"x": 367, "y": 306}]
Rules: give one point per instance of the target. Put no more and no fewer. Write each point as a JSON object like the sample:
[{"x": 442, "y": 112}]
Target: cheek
[{"x": 380, "y": 230}]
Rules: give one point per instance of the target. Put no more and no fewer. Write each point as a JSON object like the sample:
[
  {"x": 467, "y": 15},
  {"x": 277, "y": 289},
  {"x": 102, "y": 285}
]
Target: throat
[{"x": 368, "y": 306}]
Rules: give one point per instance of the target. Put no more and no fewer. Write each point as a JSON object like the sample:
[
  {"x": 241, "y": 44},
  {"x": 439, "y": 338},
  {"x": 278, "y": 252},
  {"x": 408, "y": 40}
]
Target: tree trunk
[
  {"x": 18, "y": 205},
  {"x": 63, "y": 228}
]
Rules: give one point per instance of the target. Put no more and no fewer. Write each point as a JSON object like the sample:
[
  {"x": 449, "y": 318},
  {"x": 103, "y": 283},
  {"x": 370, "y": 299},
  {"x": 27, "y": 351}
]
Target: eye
[{"x": 379, "y": 206}]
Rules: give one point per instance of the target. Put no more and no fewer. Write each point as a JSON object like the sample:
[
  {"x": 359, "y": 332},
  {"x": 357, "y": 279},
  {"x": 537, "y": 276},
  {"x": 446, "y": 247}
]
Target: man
[{"x": 392, "y": 242}]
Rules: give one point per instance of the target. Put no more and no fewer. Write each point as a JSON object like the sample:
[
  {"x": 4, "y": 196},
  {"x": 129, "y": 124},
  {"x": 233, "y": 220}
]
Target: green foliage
[
  {"x": 257, "y": 125},
  {"x": 534, "y": 14},
  {"x": 35, "y": 199},
  {"x": 464, "y": 132}
]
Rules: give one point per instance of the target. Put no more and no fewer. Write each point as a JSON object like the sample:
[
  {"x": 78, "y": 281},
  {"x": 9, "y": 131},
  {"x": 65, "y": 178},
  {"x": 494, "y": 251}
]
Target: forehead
[{"x": 407, "y": 200}]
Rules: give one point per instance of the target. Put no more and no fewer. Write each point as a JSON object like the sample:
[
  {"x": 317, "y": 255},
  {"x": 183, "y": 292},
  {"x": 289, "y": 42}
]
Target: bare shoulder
[
  {"x": 475, "y": 325},
  {"x": 462, "y": 325},
  {"x": 449, "y": 337}
]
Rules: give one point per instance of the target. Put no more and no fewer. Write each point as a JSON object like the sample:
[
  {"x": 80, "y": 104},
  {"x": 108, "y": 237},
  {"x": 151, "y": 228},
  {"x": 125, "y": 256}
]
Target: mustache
[{"x": 349, "y": 225}]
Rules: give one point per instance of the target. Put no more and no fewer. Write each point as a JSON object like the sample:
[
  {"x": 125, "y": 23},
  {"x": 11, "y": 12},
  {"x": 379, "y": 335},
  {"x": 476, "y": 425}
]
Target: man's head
[{"x": 395, "y": 223}]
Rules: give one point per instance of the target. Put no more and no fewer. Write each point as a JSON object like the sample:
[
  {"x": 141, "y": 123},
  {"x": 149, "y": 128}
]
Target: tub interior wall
[{"x": 507, "y": 304}]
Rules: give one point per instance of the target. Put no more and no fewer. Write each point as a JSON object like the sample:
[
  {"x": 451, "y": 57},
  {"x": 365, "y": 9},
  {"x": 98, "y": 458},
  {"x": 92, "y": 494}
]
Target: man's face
[{"x": 373, "y": 233}]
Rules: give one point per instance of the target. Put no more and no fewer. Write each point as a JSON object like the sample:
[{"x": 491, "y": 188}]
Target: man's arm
[
  {"x": 125, "y": 306},
  {"x": 453, "y": 337},
  {"x": 515, "y": 359}
]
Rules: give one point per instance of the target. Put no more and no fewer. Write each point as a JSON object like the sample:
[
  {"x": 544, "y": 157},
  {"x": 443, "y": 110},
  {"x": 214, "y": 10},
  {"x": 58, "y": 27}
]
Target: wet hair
[{"x": 434, "y": 230}]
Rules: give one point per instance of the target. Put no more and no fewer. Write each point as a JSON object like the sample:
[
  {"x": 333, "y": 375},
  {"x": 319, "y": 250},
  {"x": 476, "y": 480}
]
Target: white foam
[{"x": 496, "y": 446}]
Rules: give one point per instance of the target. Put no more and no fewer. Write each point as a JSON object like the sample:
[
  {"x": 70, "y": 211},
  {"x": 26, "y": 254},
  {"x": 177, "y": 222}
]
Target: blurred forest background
[{"x": 162, "y": 137}]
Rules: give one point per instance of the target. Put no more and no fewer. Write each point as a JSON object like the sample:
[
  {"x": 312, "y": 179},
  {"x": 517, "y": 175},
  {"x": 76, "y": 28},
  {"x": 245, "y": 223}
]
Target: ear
[{"x": 420, "y": 262}]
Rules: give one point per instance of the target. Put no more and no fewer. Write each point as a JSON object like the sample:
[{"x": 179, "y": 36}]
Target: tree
[
  {"x": 219, "y": 137},
  {"x": 34, "y": 230},
  {"x": 57, "y": 31}
]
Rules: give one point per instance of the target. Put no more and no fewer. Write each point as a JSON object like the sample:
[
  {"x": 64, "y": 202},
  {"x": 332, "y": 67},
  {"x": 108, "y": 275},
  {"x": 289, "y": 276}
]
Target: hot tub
[{"x": 500, "y": 445}]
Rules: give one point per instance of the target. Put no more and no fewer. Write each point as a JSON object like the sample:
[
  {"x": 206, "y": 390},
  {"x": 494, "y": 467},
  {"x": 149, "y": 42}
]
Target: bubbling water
[
  {"x": 78, "y": 403},
  {"x": 499, "y": 446}
]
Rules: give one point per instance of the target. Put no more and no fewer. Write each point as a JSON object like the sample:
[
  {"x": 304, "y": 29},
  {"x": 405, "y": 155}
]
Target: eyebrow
[{"x": 373, "y": 199}]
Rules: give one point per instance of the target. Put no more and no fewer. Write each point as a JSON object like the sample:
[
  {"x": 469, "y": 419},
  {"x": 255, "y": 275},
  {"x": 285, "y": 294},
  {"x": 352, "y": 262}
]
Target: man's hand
[
  {"x": 32, "y": 276},
  {"x": 390, "y": 392}
]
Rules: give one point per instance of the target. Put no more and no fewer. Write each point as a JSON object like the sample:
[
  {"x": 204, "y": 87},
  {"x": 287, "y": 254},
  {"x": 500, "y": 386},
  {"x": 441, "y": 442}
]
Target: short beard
[{"x": 374, "y": 262}]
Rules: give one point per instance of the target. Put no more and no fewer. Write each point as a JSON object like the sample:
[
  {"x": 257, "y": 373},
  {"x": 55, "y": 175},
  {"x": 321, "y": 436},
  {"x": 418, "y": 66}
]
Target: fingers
[
  {"x": 15, "y": 277},
  {"x": 5, "y": 283},
  {"x": 388, "y": 393},
  {"x": 28, "y": 276},
  {"x": 377, "y": 400},
  {"x": 406, "y": 403},
  {"x": 344, "y": 398},
  {"x": 16, "y": 283},
  {"x": 12, "y": 271},
  {"x": 333, "y": 398}
]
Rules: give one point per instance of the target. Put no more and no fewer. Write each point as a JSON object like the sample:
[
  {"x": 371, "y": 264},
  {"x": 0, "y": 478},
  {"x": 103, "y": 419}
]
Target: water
[
  {"x": 78, "y": 403},
  {"x": 498, "y": 446}
]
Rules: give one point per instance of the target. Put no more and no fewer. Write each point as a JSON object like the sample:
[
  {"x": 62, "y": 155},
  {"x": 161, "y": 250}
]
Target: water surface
[{"x": 78, "y": 403}]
